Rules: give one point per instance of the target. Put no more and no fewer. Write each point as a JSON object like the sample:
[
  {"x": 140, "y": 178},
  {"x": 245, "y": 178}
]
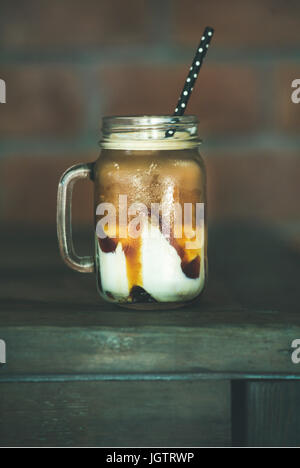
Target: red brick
[
  {"x": 29, "y": 190},
  {"x": 287, "y": 113},
  {"x": 238, "y": 23},
  {"x": 41, "y": 101},
  {"x": 72, "y": 23},
  {"x": 225, "y": 98},
  {"x": 263, "y": 186}
]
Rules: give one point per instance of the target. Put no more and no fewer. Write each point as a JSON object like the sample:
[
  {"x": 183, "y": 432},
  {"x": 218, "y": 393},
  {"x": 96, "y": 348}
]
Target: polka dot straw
[{"x": 192, "y": 76}]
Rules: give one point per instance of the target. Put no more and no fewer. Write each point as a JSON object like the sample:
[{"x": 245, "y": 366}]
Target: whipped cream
[{"x": 162, "y": 274}]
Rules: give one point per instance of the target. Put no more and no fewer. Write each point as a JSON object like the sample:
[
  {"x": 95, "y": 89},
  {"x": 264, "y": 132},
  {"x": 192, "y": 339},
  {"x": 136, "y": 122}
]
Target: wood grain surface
[
  {"x": 108, "y": 414},
  {"x": 266, "y": 413},
  {"x": 80, "y": 371},
  {"x": 54, "y": 322}
]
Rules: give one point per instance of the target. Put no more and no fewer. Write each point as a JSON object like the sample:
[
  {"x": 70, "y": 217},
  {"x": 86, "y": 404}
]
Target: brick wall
[{"x": 66, "y": 63}]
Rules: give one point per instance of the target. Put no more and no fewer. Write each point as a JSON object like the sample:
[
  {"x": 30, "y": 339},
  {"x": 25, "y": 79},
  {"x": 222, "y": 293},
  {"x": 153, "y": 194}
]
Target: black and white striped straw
[{"x": 192, "y": 76}]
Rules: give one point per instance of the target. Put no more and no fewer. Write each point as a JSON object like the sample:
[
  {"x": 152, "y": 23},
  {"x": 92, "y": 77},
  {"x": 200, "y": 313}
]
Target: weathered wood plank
[
  {"x": 54, "y": 322},
  {"x": 147, "y": 349},
  {"x": 113, "y": 414},
  {"x": 273, "y": 414}
]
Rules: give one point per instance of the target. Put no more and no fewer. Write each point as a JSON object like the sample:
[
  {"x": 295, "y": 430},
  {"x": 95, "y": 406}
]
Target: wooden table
[{"x": 81, "y": 372}]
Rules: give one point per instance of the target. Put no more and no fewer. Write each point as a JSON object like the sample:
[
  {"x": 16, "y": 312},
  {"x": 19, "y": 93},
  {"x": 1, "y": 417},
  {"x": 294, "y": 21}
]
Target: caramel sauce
[
  {"x": 108, "y": 244},
  {"x": 139, "y": 294},
  {"x": 145, "y": 176},
  {"x": 132, "y": 250},
  {"x": 190, "y": 258},
  {"x": 192, "y": 269}
]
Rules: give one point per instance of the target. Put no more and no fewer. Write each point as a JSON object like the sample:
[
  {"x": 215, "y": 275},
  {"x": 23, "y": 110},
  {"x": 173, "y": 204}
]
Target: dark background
[{"x": 67, "y": 63}]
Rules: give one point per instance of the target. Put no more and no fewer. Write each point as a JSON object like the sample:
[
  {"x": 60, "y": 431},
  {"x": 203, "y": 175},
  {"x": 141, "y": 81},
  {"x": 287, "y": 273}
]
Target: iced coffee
[{"x": 150, "y": 213}]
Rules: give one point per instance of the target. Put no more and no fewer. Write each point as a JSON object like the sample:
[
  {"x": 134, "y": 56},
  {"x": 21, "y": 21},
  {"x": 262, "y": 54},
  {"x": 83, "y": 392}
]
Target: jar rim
[
  {"x": 139, "y": 132},
  {"x": 116, "y": 122}
]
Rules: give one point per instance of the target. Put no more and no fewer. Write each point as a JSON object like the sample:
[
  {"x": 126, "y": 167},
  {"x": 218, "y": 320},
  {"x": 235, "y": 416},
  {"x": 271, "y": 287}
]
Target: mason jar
[{"x": 150, "y": 213}]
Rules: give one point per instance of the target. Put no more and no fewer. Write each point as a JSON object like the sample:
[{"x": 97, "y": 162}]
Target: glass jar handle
[{"x": 64, "y": 218}]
